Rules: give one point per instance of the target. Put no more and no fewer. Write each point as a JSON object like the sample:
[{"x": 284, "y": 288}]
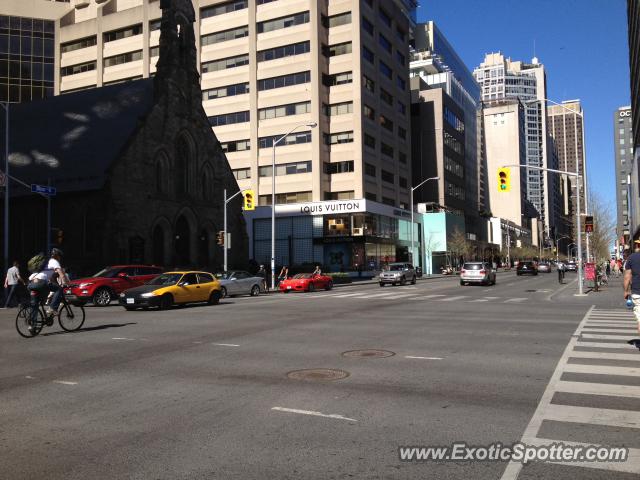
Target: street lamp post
[
  {"x": 225, "y": 242},
  {"x": 6, "y": 185},
  {"x": 412, "y": 223},
  {"x": 273, "y": 199}
]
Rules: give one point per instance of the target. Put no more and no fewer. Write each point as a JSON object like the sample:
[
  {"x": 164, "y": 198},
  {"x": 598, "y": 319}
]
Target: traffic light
[
  {"x": 249, "y": 203},
  {"x": 504, "y": 180},
  {"x": 220, "y": 237},
  {"x": 588, "y": 223},
  {"x": 60, "y": 236}
]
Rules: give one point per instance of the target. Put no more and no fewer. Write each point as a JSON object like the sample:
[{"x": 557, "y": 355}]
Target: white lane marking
[
  {"x": 315, "y": 414},
  {"x": 512, "y": 470},
  {"x": 631, "y": 357},
  {"x": 492, "y": 298},
  {"x": 478, "y": 300},
  {"x": 425, "y": 297},
  {"x": 226, "y": 344},
  {"x": 594, "y": 416},
  {"x": 424, "y": 358},
  {"x": 123, "y": 338},
  {"x": 63, "y": 382},
  {"x": 604, "y": 345},
  {"x": 197, "y": 343},
  {"x": 515, "y": 300},
  {"x": 598, "y": 389},
  {"x": 29, "y": 377},
  {"x": 343, "y": 295},
  {"x": 453, "y": 299},
  {"x": 602, "y": 370}
]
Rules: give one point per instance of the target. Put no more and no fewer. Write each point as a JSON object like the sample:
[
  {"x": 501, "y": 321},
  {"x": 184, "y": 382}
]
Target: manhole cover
[
  {"x": 318, "y": 374},
  {"x": 368, "y": 353}
]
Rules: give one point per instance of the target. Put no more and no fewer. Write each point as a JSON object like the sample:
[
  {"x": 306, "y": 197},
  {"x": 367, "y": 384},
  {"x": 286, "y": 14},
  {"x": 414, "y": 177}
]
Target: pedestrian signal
[
  {"x": 504, "y": 180},
  {"x": 220, "y": 237},
  {"x": 249, "y": 203}
]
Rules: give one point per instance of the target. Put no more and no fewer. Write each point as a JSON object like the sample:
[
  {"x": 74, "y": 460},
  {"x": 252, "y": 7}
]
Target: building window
[
  {"x": 284, "y": 51},
  {"x": 122, "y": 33},
  {"x": 385, "y": 17},
  {"x": 284, "y": 81},
  {"x": 367, "y": 26},
  {"x": 402, "y": 133},
  {"x": 337, "y": 49},
  {"x": 291, "y": 197},
  {"x": 224, "y": 36},
  {"x": 453, "y": 143},
  {"x": 155, "y": 25},
  {"x": 337, "y": 79},
  {"x": 368, "y": 112},
  {"x": 453, "y": 120},
  {"x": 242, "y": 173},
  {"x": 283, "y": 22},
  {"x": 286, "y": 169},
  {"x": 235, "y": 146},
  {"x": 223, "y": 8},
  {"x": 229, "y": 118},
  {"x": 402, "y": 182},
  {"x": 385, "y": 70},
  {"x": 154, "y": 52},
  {"x": 79, "y": 68},
  {"x": 369, "y": 84},
  {"x": 338, "y": 167},
  {"x": 386, "y": 149},
  {"x": 369, "y": 170},
  {"x": 400, "y": 58},
  {"x": 228, "y": 91},
  {"x": 347, "y": 195},
  {"x": 337, "y": 138},
  {"x": 400, "y": 34},
  {"x": 384, "y": 43},
  {"x": 284, "y": 110},
  {"x": 389, "y": 201},
  {"x": 386, "y": 123},
  {"x": 386, "y": 97},
  {"x": 368, "y": 55},
  {"x": 124, "y": 58},
  {"x": 371, "y": 196},
  {"x": 337, "y": 20},
  {"x": 387, "y": 176},
  {"x": 402, "y": 157},
  {"x": 78, "y": 44},
  {"x": 401, "y": 83},
  {"x": 338, "y": 109},
  {"x": 225, "y": 63},
  {"x": 292, "y": 139},
  {"x": 369, "y": 141}
]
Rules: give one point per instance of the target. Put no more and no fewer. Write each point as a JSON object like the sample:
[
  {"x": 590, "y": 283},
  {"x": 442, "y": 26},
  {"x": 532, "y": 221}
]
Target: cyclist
[
  {"x": 560, "y": 272},
  {"x": 56, "y": 278}
]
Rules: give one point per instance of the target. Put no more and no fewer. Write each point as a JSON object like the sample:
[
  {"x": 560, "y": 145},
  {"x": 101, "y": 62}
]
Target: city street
[{"x": 204, "y": 391}]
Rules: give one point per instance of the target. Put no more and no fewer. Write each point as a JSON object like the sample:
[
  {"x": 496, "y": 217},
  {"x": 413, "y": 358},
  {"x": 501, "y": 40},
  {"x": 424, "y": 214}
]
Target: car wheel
[
  {"x": 381, "y": 284},
  {"x": 223, "y": 292},
  {"x": 166, "y": 301},
  {"x": 328, "y": 286},
  {"x": 312, "y": 288},
  {"x": 102, "y": 297},
  {"x": 255, "y": 290},
  {"x": 403, "y": 281},
  {"x": 214, "y": 298},
  {"x": 413, "y": 282},
  {"x": 461, "y": 283}
]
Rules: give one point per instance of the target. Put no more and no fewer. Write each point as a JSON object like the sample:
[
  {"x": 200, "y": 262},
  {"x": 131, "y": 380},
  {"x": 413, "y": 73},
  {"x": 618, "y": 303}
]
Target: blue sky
[{"x": 582, "y": 43}]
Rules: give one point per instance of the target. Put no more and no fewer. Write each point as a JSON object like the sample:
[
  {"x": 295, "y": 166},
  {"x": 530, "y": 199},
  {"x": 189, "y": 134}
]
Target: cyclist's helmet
[{"x": 56, "y": 252}]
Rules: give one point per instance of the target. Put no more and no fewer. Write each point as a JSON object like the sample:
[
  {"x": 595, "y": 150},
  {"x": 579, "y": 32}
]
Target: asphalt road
[{"x": 202, "y": 392}]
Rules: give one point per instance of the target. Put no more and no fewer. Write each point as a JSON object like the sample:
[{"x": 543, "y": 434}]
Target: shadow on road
[{"x": 91, "y": 329}]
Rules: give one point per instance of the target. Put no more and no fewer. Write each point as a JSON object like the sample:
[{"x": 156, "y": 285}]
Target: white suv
[
  {"x": 477, "y": 272},
  {"x": 398, "y": 273}
]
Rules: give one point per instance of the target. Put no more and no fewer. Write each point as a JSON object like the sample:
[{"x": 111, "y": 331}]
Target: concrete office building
[
  {"x": 566, "y": 129},
  {"x": 623, "y": 153},
  {"x": 633, "y": 18},
  {"x": 502, "y": 78},
  {"x": 267, "y": 67},
  {"x": 439, "y": 66}
]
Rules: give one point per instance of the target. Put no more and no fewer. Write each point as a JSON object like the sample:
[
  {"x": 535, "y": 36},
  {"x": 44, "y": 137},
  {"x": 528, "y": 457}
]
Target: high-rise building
[
  {"x": 268, "y": 67},
  {"x": 436, "y": 62},
  {"x": 27, "y": 48},
  {"x": 502, "y": 78},
  {"x": 623, "y": 152},
  {"x": 566, "y": 127},
  {"x": 633, "y": 18}
]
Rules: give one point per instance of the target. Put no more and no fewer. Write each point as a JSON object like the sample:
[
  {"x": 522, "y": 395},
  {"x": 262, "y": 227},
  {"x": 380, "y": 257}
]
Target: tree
[
  {"x": 603, "y": 235},
  {"x": 431, "y": 244},
  {"x": 458, "y": 244}
]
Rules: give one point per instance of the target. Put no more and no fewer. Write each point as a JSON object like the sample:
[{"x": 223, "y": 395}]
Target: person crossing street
[{"x": 11, "y": 283}]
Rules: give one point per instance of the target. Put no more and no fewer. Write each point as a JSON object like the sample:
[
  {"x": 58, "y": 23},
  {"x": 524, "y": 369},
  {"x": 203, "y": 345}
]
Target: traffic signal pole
[
  {"x": 225, "y": 239},
  {"x": 578, "y": 222}
]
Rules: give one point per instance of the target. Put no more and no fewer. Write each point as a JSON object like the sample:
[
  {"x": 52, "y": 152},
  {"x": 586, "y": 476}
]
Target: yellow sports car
[{"x": 172, "y": 288}]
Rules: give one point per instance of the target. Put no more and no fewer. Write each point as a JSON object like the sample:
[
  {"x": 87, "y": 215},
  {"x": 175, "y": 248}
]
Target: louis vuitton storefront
[{"x": 341, "y": 235}]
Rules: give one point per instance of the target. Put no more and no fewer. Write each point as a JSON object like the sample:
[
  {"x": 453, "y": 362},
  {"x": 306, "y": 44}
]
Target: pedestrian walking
[
  {"x": 631, "y": 283},
  {"x": 561, "y": 273},
  {"x": 284, "y": 273},
  {"x": 11, "y": 283},
  {"x": 263, "y": 274}
]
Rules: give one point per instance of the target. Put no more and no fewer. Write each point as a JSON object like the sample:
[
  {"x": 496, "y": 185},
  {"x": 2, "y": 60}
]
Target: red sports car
[{"x": 306, "y": 282}]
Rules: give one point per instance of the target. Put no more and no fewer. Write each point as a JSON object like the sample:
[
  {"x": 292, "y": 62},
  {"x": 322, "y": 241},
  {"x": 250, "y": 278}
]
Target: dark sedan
[{"x": 527, "y": 268}]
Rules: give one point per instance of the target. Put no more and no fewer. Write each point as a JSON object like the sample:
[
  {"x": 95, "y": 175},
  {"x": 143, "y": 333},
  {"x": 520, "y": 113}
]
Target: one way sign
[{"x": 43, "y": 189}]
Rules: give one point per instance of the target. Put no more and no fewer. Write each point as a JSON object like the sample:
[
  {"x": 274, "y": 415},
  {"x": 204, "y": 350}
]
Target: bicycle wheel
[
  {"x": 71, "y": 318},
  {"x": 29, "y": 321}
]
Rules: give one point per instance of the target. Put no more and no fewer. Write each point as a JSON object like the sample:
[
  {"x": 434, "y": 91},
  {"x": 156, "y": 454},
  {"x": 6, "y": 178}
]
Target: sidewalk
[{"x": 609, "y": 296}]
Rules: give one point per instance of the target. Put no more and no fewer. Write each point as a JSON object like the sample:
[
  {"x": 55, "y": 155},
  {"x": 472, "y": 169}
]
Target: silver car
[
  {"x": 477, "y": 272},
  {"x": 239, "y": 282},
  {"x": 398, "y": 273}
]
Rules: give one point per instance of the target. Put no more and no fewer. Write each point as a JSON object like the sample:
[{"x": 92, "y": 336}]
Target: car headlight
[
  {"x": 85, "y": 285},
  {"x": 149, "y": 294}
]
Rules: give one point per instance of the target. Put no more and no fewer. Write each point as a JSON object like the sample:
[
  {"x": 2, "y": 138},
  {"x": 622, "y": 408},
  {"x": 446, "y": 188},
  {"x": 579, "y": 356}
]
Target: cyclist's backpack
[{"x": 37, "y": 263}]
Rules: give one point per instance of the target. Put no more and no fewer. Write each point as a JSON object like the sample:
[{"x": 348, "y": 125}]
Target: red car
[
  {"x": 107, "y": 284},
  {"x": 306, "y": 282}
]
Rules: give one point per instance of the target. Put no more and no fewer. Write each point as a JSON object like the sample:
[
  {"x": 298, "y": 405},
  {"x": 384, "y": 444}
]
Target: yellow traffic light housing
[
  {"x": 249, "y": 203},
  {"x": 504, "y": 180},
  {"x": 220, "y": 237}
]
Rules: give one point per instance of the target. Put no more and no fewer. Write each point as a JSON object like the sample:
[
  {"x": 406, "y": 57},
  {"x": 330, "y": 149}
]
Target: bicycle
[{"x": 32, "y": 317}]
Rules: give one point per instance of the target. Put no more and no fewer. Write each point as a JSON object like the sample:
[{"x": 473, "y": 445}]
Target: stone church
[{"x": 138, "y": 171}]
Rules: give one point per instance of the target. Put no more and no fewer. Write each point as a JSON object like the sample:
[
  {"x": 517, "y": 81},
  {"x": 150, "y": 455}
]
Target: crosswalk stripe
[
  {"x": 492, "y": 298},
  {"x": 611, "y": 322},
  {"x": 515, "y": 300},
  {"x": 433, "y": 296},
  {"x": 478, "y": 300},
  {"x": 598, "y": 389},
  {"x": 621, "y": 331},
  {"x": 453, "y": 299},
  {"x": 602, "y": 370},
  {"x": 378, "y": 295},
  {"x": 594, "y": 416},
  {"x": 604, "y": 345},
  {"x": 344, "y": 295},
  {"x": 602, "y": 337},
  {"x": 631, "y": 357}
]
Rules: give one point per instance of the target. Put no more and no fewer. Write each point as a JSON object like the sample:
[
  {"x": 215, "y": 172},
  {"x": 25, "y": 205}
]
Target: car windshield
[
  {"x": 165, "y": 279},
  {"x": 472, "y": 266},
  {"x": 302, "y": 275},
  {"x": 395, "y": 267},
  {"x": 526, "y": 264},
  {"x": 107, "y": 272}
]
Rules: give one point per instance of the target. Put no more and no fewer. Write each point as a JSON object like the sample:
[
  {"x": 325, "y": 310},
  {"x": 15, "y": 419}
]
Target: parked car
[
  {"x": 239, "y": 282},
  {"x": 107, "y": 284},
  {"x": 527, "y": 268},
  {"x": 398, "y": 273},
  {"x": 544, "y": 267},
  {"x": 172, "y": 288},
  {"x": 306, "y": 282},
  {"x": 571, "y": 267},
  {"x": 477, "y": 272}
]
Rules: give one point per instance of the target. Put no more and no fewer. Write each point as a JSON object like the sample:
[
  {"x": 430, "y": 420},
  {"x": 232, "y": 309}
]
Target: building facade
[
  {"x": 623, "y": 154},
  {"x": 633, "y": 18}
]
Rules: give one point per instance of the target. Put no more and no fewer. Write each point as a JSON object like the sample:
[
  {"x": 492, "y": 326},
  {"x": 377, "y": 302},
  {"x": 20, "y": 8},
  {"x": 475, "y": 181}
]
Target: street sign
[
  {"x": 43, "y": 189},
  {"x": 588, "y": 224}
]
